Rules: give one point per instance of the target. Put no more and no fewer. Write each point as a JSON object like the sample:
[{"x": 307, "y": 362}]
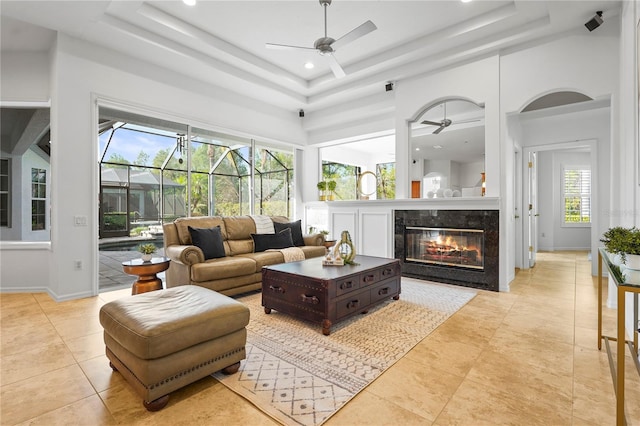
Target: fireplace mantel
[
  {"x": 454, "y": 203},
  {"x": 371, "y": 222}
]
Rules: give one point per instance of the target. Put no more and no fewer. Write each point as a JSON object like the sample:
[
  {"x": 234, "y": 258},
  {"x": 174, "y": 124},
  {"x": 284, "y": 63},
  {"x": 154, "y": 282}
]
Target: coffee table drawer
[
  {"x": 390, "y": 271},
  {"x": 357, "y": 303},
  {"x": 346, "y": 285},
  {"x": 385, "y": 290},
  {"x": 370, "y": 277},
  {"x": 304, "y": 295}
]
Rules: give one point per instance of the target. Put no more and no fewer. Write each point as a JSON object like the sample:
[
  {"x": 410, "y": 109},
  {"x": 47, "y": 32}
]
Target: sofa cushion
[
  {"x": 183, "y": 223},
  {"x": 224, "y": 267},
  {"x": 280, "y": 240},
  {"x": 296, "y": 231},
  {"x": 209, "y": 240},
  {"x": 264, "y": 258},
  {"x": 239, "y": 227}
]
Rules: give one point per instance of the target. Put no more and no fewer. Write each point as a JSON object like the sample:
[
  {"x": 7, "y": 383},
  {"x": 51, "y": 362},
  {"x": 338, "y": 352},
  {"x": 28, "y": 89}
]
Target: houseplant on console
[
  {"x": 147, "y": 251},
  {"x": 625, "y": 243}
]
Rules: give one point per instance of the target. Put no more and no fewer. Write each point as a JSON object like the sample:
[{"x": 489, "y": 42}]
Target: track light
[{"x": 595, "y": 22}]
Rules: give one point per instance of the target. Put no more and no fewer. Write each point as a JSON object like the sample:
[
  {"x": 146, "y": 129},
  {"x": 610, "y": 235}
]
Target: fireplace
[
  {"x": 445, "y": 246},
  {"x": 451, "y": 246}
]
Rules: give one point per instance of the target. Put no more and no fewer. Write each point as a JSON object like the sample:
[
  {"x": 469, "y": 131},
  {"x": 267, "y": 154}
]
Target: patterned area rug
[{"x": 298, "y": 376}]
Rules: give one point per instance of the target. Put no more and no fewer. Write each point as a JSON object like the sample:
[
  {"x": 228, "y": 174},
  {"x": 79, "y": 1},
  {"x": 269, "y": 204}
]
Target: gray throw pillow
[
  {"x": 296, "y": 231},
  {"x": 262, "y": 242},
  {"x": 209, "y": 240}
]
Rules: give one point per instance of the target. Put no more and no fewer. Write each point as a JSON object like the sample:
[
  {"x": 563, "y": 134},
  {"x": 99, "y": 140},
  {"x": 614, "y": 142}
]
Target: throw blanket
[
  {"x": 291, "y": 254},
  {"x": 264, "y": 224}
]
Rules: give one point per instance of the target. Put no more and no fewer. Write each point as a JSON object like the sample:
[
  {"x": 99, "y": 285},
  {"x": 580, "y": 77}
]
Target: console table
[{"x": 624, "y": 284}]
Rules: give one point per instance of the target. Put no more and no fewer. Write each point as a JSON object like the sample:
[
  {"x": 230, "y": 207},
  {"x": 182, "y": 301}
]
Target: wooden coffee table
[{"x": 326, "y": 294}]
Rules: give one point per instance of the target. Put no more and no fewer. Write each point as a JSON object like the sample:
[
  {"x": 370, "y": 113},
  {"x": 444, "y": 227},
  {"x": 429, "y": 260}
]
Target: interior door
[{"x": 532, "y": 209}]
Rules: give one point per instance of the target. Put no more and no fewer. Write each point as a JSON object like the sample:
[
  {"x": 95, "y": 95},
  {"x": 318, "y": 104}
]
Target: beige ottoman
[{"x": 163, "y": 340}]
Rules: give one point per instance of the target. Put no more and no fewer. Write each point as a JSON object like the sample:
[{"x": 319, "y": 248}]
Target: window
[
  {"x": 38, "y": 199},
  {"x": 386, "y": 178},
  {"x": 346, "y": 178},
  {"x": 5, "y": 195},
  {"x": 576, "y": 195}
]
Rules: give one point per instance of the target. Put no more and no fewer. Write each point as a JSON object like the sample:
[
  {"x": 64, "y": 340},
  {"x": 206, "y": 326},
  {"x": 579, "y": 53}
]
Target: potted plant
[
  {"x": 331, "y": 187},
  {"x": 147, "y": 251},
  {"x": 624, "y": 242},
  {"x": 322, "y": 187}
]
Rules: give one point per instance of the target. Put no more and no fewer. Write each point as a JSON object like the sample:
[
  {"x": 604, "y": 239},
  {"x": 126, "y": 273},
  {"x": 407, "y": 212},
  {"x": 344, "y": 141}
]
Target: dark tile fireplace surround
[{"x": 413, "y": 227}]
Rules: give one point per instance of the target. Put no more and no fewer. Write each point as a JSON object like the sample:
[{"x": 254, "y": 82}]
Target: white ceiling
[{"x": 223, "y": 42}]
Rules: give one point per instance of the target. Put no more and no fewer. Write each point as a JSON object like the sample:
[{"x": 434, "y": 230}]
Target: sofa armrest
[
  {"x": 313, "y": 239},
  {"x": 188, "y": 255}
]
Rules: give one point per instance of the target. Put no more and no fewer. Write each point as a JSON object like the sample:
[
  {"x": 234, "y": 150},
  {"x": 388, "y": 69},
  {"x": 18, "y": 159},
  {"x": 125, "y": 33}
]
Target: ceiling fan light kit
[{"x": 327, "y": 46}]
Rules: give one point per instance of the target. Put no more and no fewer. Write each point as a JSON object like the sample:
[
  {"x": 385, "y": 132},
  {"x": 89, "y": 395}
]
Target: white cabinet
[{"x": 371, "y": 229}]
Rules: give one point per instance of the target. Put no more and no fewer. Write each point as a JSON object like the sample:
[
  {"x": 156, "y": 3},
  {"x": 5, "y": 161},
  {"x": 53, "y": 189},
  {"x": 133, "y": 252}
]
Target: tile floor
[{"x": 526, "y": 357}]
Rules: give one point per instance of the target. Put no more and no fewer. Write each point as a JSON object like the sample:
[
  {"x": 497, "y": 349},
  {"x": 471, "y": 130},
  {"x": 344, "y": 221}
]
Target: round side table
[{"x": 146, "y": 272}]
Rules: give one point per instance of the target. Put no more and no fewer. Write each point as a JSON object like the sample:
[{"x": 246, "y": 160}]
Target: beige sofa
[{"x": 240, "y": 270}]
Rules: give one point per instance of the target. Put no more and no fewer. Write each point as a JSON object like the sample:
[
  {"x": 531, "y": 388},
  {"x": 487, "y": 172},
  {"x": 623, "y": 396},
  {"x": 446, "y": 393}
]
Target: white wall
[
  {"x": 503, "y": 83},
  {"x": 546, "y": 132},
  {"x": 25, "y": 77},
  {"x": 80, "y": 73},
  {"x": 552, "y": 235},
  {"x": 625, "y": 188},
  {"x": 560, "y": 65}
]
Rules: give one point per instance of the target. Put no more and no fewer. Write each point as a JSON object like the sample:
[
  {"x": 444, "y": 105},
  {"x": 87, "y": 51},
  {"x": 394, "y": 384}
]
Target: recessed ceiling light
[
  {"x": 437, "y": 147},
  {"x": 465, "y": 1},
  {"x": 417, "y": 149},
  {"x": 189, "y": 2},
  {"x": 309, "y": 65}
]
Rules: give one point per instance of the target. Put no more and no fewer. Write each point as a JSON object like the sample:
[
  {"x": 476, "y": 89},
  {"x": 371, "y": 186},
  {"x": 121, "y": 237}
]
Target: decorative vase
[
  {"x": 345, "y": 248},
  {"x": 632, "y": 261},
  {"x": 147, "y": 257}
]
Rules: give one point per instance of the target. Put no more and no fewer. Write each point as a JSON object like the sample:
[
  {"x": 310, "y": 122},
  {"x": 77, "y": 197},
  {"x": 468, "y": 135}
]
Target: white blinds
[{"x": 576, "y": 189}]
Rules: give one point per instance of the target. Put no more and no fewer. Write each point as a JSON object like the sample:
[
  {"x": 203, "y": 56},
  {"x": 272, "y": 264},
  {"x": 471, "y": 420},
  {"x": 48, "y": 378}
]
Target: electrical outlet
[{"x": 77, "y": 264}]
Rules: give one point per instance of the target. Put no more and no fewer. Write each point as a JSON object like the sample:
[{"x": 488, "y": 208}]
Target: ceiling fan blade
[
  {"x": 432, "y": 123},
  {"x": 354, "y": 34},
  {"x": 286, "y": 47},
  {"x": 438, "y": 130},
  {"x": 335, "y": 66}
]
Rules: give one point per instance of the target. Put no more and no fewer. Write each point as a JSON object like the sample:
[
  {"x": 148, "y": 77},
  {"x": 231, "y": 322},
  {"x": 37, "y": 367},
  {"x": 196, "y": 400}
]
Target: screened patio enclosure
[{"x": 153, "y": 171}]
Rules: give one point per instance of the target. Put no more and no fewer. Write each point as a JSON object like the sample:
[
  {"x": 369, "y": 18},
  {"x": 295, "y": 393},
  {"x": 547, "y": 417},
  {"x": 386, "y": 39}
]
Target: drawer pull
[
  {"x": 387, "y": 271},
  {"x": 369, "y": 278},
  {"x": 383, "y": 291},
  {"x": 353, "y": 304},
  {"x": 310, "y": 299},
  {"x": 276, "y": 289},
  {"x": 346, "y": 284}
]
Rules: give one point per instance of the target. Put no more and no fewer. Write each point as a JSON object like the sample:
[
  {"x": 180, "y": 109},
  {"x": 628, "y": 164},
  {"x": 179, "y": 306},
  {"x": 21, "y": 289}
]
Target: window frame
[
  {"x": 39, "y": 188},
  {"x": 581, "y": 168},
  {"x": 7, "y": 205}
]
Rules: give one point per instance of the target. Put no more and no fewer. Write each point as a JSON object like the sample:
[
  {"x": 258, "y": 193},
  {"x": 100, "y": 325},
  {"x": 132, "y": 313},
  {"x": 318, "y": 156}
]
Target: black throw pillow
[
  {"x": 209, "y": 240},
  {"x": 296, "y": 231},
  {"x": 262, "y": 242}
]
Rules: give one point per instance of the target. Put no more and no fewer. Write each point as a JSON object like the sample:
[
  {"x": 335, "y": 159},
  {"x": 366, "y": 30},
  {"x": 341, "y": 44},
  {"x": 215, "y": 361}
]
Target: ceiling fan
[
  {"x": 326, "y": 45},
  {"x": 445, "y": 122}
]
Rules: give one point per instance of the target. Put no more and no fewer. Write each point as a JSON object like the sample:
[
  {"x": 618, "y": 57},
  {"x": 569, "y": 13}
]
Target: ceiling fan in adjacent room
[
  {"x": 327, "y": 46},
  {"x": 445, "y": 122}
]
